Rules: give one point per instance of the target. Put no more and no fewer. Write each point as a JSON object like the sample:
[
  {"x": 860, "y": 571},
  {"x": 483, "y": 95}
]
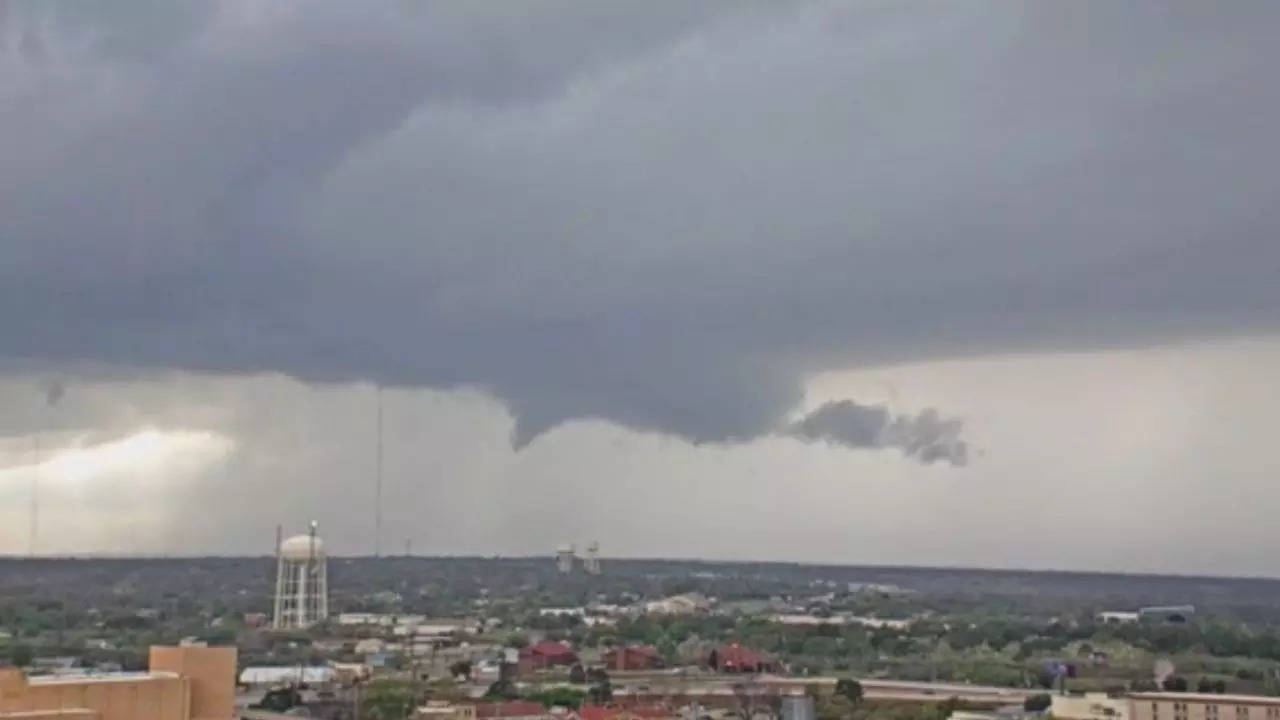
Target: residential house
[
  {"x": 512, "y": 710},
  {"x": 737, "y": 658},
  {"x": 606, "y": 712},
  {"x": 546, "y": 654},
  {"x": 633, "y": 657}
]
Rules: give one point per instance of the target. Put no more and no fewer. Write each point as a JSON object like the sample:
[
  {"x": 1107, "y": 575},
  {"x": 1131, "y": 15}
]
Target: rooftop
[
  {"x": 100, "y": 677},
  {"x": 1211, "y": 698},
  {"x": 512, "y": 708}
]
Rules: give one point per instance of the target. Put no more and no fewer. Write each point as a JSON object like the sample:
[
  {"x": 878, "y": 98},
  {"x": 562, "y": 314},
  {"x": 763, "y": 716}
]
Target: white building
[
  {"x": 815, "y": 620},
  {"x": 359, "y": 619},
  {"x": 370, "y": 645},
  {"x": 563, "y": 612},
  {"x": 1117, "y": 616},
  {"x": 686, "y": 604},
  {"x": 266, "y": 676}
]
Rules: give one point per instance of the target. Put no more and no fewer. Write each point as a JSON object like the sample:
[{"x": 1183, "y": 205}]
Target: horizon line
[{"x": 21, "y": 557}]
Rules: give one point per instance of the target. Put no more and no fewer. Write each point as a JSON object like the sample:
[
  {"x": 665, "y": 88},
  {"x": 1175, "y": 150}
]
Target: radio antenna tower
[
  {"x": 35, "y": 499},
  {"x": 377, "y": 492},
  {"x": 53, "y": 393}
]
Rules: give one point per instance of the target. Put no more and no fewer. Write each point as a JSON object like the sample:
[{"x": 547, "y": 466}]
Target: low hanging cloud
[{"x": 927, "y": 436}]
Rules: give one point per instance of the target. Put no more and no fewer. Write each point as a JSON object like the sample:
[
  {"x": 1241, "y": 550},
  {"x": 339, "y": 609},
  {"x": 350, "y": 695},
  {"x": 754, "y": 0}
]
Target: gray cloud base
[{"x": 664, "y": 215}]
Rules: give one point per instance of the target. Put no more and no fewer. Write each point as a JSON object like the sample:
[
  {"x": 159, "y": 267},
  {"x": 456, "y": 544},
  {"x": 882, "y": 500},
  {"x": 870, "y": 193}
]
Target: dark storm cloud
[
  {"x": 664, "y": 215},
  {"x": 927, "y": 436}
]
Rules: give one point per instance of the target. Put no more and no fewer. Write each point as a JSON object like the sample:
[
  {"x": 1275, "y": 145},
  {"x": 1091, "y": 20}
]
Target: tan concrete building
[
  {"x": 183, "y": 683},
  {"x": 53, "y": 715},
  {"x": 1203, "y": 706},
  {"x": 1091, "y": 706}
]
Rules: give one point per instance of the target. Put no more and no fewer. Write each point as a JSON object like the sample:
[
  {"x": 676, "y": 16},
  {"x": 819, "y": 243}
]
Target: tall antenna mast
[
  {"x": 377, "y": 502},
  {"x": 53, "y": 393},
  {"x": 35, "y": 498}
]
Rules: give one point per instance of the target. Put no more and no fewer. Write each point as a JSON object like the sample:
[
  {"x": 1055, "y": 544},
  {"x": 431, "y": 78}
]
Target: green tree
[
  {"x": 1143, "y": 685},
  {"x": 833, "y": 707},
  {"x": 577, "y": 675},
  {"x": 560, "y": 697},
  {"x": 220, "y": 636},
  {"x": 462, "y": 669},
  {"x": 21, "y": 654},
  {"x": 819, "y": 646},
  {"x": 387, "y": 700},
  {"x": 601, "y": 692},
  {"x": 849, "y": 689},
  {"x": 279, "y": 700},
  {"x": 502, "y": 690},
  {"x": 667, "y": 650},
  {"x": 1037, "y": 703},
  {"x": 446, "y": 690}
]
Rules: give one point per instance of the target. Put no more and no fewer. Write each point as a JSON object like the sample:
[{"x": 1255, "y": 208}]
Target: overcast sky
[{"x": 976, "y": 283}]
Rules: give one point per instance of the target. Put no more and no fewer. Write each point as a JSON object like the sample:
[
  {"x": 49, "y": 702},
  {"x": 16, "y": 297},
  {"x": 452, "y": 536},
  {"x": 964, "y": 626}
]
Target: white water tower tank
[
  {"x": 565, "y": 558},
  {"x": 302, "y": 589}
]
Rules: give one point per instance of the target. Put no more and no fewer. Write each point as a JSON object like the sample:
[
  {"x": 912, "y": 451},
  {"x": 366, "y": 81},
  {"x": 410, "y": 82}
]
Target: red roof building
[
  {"x": 736, "y": 658},
  {"x": 512, "y": 710},
  {"x": 633, "y": 657},
  {"x": 547, "y": 654},
  {"x": 605, "y": 712}
]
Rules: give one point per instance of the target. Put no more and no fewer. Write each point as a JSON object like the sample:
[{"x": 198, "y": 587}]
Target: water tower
[
  {"x": 591, "y": 563},
  {"x": 565, "y": 558},
  {"x": 302, "y": 588}
]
